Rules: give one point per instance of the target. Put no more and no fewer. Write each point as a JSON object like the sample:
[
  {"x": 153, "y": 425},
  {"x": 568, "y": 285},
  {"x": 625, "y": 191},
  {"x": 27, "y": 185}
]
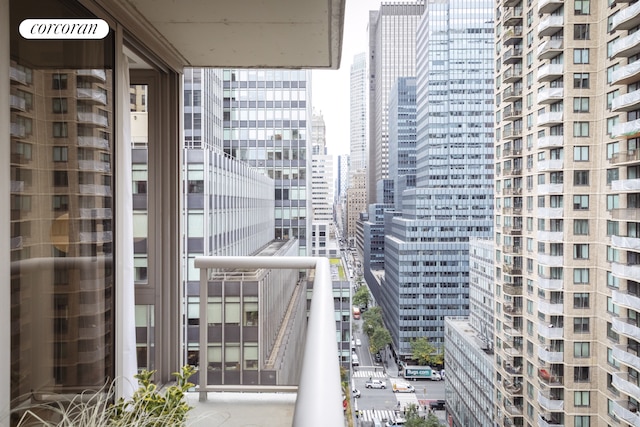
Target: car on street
[
  {"x": 403, "y": 388},
  {"x": 358, "y": 342},
  {"x": 396, "y": 422},
  {"x": 378, "y": 357},
  {"x": 375, "y": 384},
  {"x": 437, "y": 404},
  {"x": 435, "y": 376},
  {"x": 356, "y": 393}
]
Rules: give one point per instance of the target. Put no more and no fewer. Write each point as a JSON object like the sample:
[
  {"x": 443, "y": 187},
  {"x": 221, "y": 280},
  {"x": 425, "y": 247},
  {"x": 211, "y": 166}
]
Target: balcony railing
[
  {"x": 622, "y": 185},
  {"x": 627, "y": 327},
  {"x": 550, "y": 119},
  {"x": 549, "y": 48},
  {"x": 631, "y": 272},
  {"x": 550, "y": 307},
  {"x": 626, "y": 300},
  {"x": 550, "y": 331},
  {"x": 543, "y": 422},
  {"x": 627, "y": 102},
  {"x": 550, "y": 72},
  {"x": 627, "y": 355},
  {"x": 627, "y": 411},
  {"x": 627, "y": 129},
  {"x": 551, "y": 260},
  {"x": 551, "y": 213},
  {"x": 550, "y": 25},
  {"x": 628, "y": 243},
  {"x": 320, "y": 375},
  {"x": 550, "y": 236},
  {"x": 551, "y": 141},
  {"x": 625, "y": 156},
  {"x": 626, "y": 384},
  {"x": 548, "y": 6},
  {"x": 626, "y": 46},
  {"x": 550, "y": 165},
  {"x": 626, "y": 18},
  {"x": 626, "y": 74},
  {"x": 547, "y": 377},
  {"x": 550, "y": 95},
  {"x": 550, "y": 402},
  {"x": 544, "y": 189}
]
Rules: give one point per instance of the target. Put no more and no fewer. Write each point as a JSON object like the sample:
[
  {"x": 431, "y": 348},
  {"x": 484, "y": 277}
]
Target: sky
[{"x": 330, "y": 88}]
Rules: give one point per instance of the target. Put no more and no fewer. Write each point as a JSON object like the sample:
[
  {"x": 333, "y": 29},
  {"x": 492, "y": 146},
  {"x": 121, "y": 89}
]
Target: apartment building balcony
[
  {"x": 549, "y": 48},
  {"x": 92, "y": 119},
  {"x": 512, "y": 74},
  {"x": 550, "y": 165},
  {"x": 627, "y": 129},
  {"x": 514, "y": 172},
  {"x": 626, "y": 74},
  {"x": 512, "y": 310},
  {"x": 513, "y": 152},
  {"x": 550, "y": 236},
  {"x": 511, "y": 210},
  {"x": 17, "y": 130},
  {"x": 626, "y": 384},
  {"x": 511, "y": 333},
  {"x": 623, "y": 157},
  {"x": 512, "y": 388},
  {"x": 627, "y": 327},
  {"x": 626, "y": 18},
  {"x": 551, "y": 260},
  {"x": 511, "y": 369},
  {"x": 17, "y": 76},
  {"x": 93, "y": 166},
  {"x": 512, "y": 231},
  {"x": 625, "y": 214},
  {"x": 511, "y": 3},
  {"x": 512, "y": 114},
  {"x": 551, "y": 213},
  {"x": 626, "y": 300},
  {"x": 547, "y": 378},
  {"x": 550, "y": 141},
  {"x": 546, "y": 189},
  {"x": 320, "y": 373},
  {"x": 513, "y": 250},
  {"x": 550, "y": 307},
  {"x": 549, "y": 284},
  {"x": 511, "y": 409},
  {"x": 552, "y": 118},
  {"x": 94, "y": 189},
  {"x": 622, "y": 185},
  {"x": 93, "y": 142},
  {"x": 512, "y": 55},
  {"x": 550, "y": 25},
  {"x": 624, "y": 242},
  {"x": 550, "y": 401},
  {"x": 543, "y": 422},
  {"x": 512, "y": 17},
  {"x": 512, "y": 133},
  {"x": 550, "y": 331},
  {"x": 626, "y": 46},
  {"x": 627, "y": 355},
  {"x": 512, "y": 36},
  {"x": 626, "y": 411},
  {"x": 512, "y": 191},
  {"x": 550, "y": 72},
  {"x": 99, "y": 75},
  {"x": 627, "y": 102},
  {"x": 549, "y": 6},
  {"x": 95, "y": 236},
  {"x": 95, "y": 213},
  {"x": 513, "y": 290},
  {"x": 92, "y": 95},
  {"x": 626, "y": 271},
  {"x": 17, "y": 104},
  {"x": 550, "y": 95}
]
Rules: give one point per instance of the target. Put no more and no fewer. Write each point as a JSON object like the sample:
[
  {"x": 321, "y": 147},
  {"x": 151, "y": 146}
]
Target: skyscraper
[
  {"x": 358, "y": 112},
  {"x": 267, "y": 124},
  {"x": 566, "y": 223},
  {"x": 392, "y": 53},
  {"x": 427, "y": 248}
]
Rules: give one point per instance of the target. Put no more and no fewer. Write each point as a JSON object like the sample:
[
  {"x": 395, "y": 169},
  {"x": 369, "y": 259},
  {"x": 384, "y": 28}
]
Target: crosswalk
[
  {"x": 377, "y": 414},
  {"x": 367, "y": 374}
]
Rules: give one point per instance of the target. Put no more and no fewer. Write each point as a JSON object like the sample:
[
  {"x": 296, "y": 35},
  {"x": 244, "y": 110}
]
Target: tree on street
[
  {"x": 426, "y": 353},
  {"x": 362, "y": 297}
]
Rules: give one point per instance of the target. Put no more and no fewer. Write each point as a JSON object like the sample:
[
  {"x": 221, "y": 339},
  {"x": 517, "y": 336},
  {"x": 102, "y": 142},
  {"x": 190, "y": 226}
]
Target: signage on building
[{"x": 56, "y": 29}]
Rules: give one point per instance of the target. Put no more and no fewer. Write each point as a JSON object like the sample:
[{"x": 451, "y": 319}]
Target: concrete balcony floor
[{"x": 231, "y": 409}]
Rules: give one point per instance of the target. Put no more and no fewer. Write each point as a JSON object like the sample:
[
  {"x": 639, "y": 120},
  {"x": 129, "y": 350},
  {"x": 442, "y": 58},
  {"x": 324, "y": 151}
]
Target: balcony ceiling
[{"x": 246, "y": 33}]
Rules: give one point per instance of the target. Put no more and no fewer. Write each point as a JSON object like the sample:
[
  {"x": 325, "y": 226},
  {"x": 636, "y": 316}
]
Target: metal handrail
[{"x": 320, "y": 374}]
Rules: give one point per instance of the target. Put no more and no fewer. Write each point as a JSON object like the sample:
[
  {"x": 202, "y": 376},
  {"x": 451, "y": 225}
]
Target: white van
[{"x": 354, "y": 360}]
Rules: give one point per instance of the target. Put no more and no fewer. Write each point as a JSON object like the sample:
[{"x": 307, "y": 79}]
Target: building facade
[
  {"x": 567, "y": 248},
  {"x": 392, "y": 53},
  {"x": 267, "y": 124},
  {"x": 356, "y": 203},
  {"x": 358, "y": 113}
]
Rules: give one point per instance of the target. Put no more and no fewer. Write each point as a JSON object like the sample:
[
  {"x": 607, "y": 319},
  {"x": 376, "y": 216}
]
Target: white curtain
[{"x": 126, "y": 360}]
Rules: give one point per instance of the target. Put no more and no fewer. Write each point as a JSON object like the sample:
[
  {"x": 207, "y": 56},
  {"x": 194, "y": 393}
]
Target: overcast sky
[{"x": 330, "y": 88}]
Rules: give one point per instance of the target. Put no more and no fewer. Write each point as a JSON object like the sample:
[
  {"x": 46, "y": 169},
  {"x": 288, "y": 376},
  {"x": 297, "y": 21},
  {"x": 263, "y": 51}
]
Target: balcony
[
  {"x": 550, "y": 331},
  {"x": 549, "y": 284},
  {"x": 512, "y": 74},
  {"x": 627, "y": 74},
  {"x": 549, "y": 378},
  {"x": 627, "y": 129},
  {"x": 550, "y": 141},
  {"x": 512, "y": 231},
  {"x": 17, "y": 104},
  {"x": 512, "y": 410},
  {"x": 512, "y": 94},
  {"x": 551, "y": 260},
  {"x": 629, "y": 243},
  {"x": 513, "y": 250},
  {"x": 550, "y": 236},
  {"x": 17, "y": 76},
  {"x": 550, "y": 72},
  {"x": 17, "y": 130},
  {"x": 513, "y": 310},
  {"x": 550, "y": 119},
  {"x": 626, "y": 384},
  {"x": 549, "y": 49},
  {"x": 626, "y": 18},
  {"x": 94, "y": 166},
  {"x": 627, "y": 102},
  {"x": 512, "y": 290},
  {"x": 95, "y": 213},
  {"x": 550, "y": 402},
  {"x": 511, "y": 3},
  {"x": 512, "y": 270},
  {"x": 545, "y": 189},
  {"x": 626, "y": 411},
  {"x": 550, "y": 165},
  {"x": 623, "y": 185},
  {"x": 513, "y": 55},
  {"x": 99, "y": 75},
  {"x": 512, "y": 389},
  {"x": 512, "y": 133},
  {"x": 513, "y": 370},
  {"x": 510, "y": 333},
  {"x": 550, "y": 95},
  {"x": 320, "y": 375},
  {"x": 550, "y": 25},
  {"x": 626, "y": 271},
  {"x": 511, "y": 114},
  {"x": 92, "y": 95},
  {"x": 627, "y": 327},
  {"x": 517, "y": 152},
  {"x": 512, "y": 17},
  {"x": 626, "y": 214},
  {"x": 627, "y": 355},
  {"x": 542, "y": 422},
  {"x": 626, "y": 300},
  {"x": 93, "y": 142},
  {"x": 550, "y": 307},
  {"x": 551, "y": 213},
  {"x": 626, "y": 46},
  {"x": 92, "y": 119},
  {"x": 512, "y": 36},
  {"x": 623, "y": 157},
  {"x": 548, "y": 6}
]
